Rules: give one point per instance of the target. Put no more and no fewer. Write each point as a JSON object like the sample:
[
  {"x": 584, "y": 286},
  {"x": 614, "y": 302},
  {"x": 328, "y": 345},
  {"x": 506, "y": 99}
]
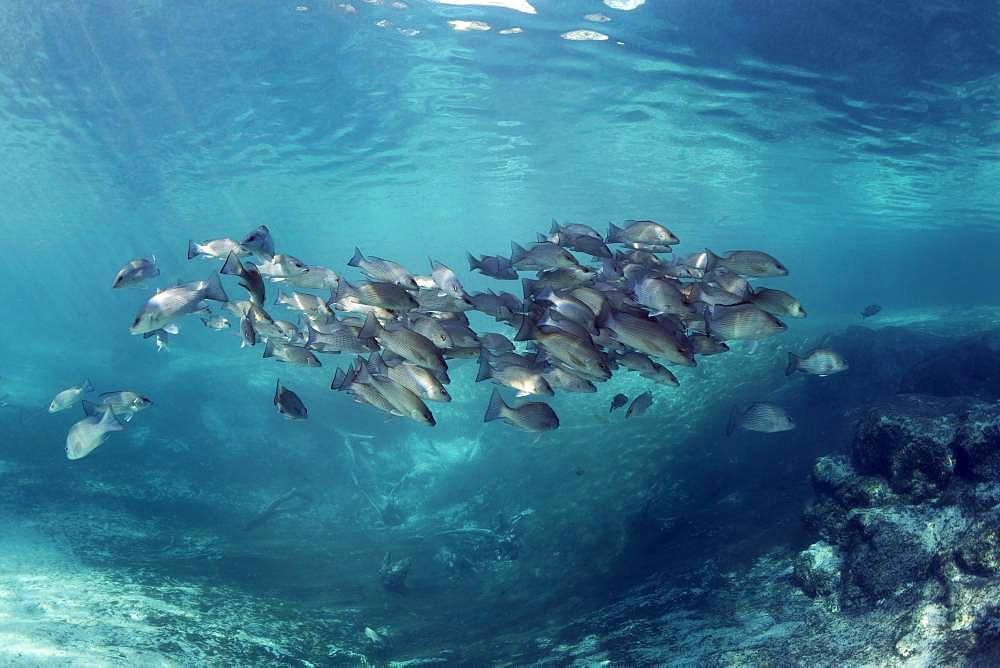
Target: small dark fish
[
  {"x": 259, "y": 242},
  {"x": 706, "y": 345},
  {"x": 760, "y": 416},
  {"x": 288, "y": 403},
  {"x": 819, "y": 362},
  {"x": 494, "y": 266},
  {"x": 617, "y": 402},
  {"x": 640, "y": 405},
  {"x": 535, "y": 416},
  {"x": 870, "y": 310}
]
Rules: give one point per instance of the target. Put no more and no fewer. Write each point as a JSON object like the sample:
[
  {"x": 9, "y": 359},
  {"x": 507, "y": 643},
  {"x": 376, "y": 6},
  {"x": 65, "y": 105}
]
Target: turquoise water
[{"x": 858, "y": 143}]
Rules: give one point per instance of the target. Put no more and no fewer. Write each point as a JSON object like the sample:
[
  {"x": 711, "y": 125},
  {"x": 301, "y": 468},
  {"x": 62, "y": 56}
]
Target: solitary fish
[
  {"x": 534, "y": 416},
  {"x": 260, "y": 243},
  {"x": 87, "y": 434},
  {"x": 617, "y": 402},
  {"x": 819, "y": 362},
  {"x": 640, "y": 405},
  {"x": 70, "y": 397},
  {"x": 173, "y": 303},
  {"x": 870, "y": 310},
  {"x": 288, "y": 403},
  {"x": 760, "y": 416},
  {"x": 135, "y": 272},
  {"x": 216, "y": 248}
]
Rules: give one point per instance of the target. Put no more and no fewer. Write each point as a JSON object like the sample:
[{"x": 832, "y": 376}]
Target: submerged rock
[
  {"x": 817, "y": 569},
  {"x": 909, "y": 441}
]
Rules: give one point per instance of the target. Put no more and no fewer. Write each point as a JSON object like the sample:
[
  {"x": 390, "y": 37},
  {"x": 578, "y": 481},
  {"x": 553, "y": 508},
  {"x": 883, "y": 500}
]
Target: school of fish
[{"x": 589, "y": 306}]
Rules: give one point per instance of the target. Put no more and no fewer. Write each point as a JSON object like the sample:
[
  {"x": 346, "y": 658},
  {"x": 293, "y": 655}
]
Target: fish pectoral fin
[{"x": 128, "y": 416}]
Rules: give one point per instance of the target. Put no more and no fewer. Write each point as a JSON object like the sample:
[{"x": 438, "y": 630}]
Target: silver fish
[
  {"x": 525, "y": 380},
  {"x": 642, "y": 233},
  {"x": 751, "y": 263},
  {"x": 121, "y": 402},
  {"x": 777, "y": 302},
  {"x": 533, "y": 416},
  {"x": 135, "y": 272},
  {"x": 760, "y": 416},
  {"x": 371, "y": 293},
  {"x": 818, "y": 362},
  {"x": 647, "y": 336},
  {"x": 314, "y": 277},
  {"x": 216, "y": 322},
  {"x": 742, "y": 321},
  {"x": 89, "y": 433},
  {"x": 70, "y": 397},
  {"x": 406, "y": 343},
  {"x": 386, "y": 271},
  {"x": 286, "y": 352},
  {"x": 215, "y": 248},
  {"x": 540, "y": 256},
  {"x": 446, "y": 280},
  {"x": 173, "y": 303},
  {"x": 283, "y": 267},
  {"x": 564, "y": 379}
]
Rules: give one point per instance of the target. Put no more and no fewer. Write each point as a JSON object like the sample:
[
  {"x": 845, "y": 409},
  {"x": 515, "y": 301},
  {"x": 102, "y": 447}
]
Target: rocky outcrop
[{"x": 910, "y": 523}]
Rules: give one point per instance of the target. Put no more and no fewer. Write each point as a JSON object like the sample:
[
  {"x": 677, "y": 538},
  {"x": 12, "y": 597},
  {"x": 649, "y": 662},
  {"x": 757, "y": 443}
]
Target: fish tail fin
[
  {"x": 232, "y": 266},
  {"x": 89, "y": 408},
  {"x": 204, "y": 321},
  {"x": 339, "y": 380},
  {"x": 371, "y": 328},
  {"x": 526, "y": 332},
  {"x": 214, "y": 289},
  {"x": 485, "y": 370},
  {"x": 109, "y": 422},
  {"x": 555, "y": 228},
  {"x": 87, "y": 385},
  {"x": 496, "y": 408},
  {"x": 277, "y": 298},
  {"x": 529, "y": 287},
  {"x": 733, "y": 417},
  {"x": 517, "y": 252},
  {"x": 192, "y": 249},
  {"x": 474, "y": 264},
  {"x": 277, "y": 390},
  {"x": 377, "y": 365},
  {"x": 614, "y": 234},
  {"x": 356, "y": 259},
  {"x": 604, "y": 316},
  {"x": 793, "y": 364},
  {"x": 269, "y": 349}
]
